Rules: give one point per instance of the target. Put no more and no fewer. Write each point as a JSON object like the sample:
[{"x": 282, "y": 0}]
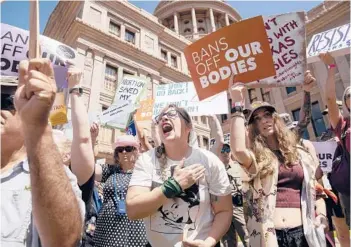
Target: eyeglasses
[
  {"x": 128, "y": 149},
  {"x": 225, "y": 150},
  {"x": 172, "y": 114},
  {"x": 267, "y": 115},
  {"x": 7, "y": 102}
]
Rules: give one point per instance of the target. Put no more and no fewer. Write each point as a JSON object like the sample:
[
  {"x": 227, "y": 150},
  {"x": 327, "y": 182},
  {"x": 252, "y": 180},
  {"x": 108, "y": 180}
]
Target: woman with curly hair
[
  {"x": 279, "y": 189},
  {"x": 181, "y": 192}
]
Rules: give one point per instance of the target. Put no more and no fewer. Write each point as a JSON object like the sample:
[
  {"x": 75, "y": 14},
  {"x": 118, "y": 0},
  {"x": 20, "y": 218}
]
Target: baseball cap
[
  {"x": 126, "y": 140},
  {"x": 257, "y": 105}
]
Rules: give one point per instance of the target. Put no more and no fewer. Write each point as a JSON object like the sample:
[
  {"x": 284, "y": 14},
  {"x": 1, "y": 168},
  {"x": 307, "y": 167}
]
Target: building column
[
  {"x": 123, "y": 32},
  {"x": 226, "y": 19},
  {"x": 344, "y": 70},
  {"x": 137, "y": 39},
  {"x": 193, "y": 16},
  {"x": 175, "y": 20},
  {"x": 168, "y": 58},
  {"x": 97, "y": 82},
  {"x": 278, "y": 99},
  {"x": 320, "y": 72},
  {"x": 213, "y": 25}
]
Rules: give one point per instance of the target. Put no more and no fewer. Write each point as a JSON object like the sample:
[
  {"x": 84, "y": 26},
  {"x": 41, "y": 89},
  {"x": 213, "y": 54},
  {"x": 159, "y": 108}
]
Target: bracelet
[
  {"x": 238, "y": 114},
  {"x": 171, "y": 188},
  {"x": 330, "y": 66}
]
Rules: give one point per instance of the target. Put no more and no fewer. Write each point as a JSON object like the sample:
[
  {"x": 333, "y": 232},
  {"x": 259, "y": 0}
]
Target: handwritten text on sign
[
  {"x": 184, "y": 95},
  {"x": 325, "y": 151},
  {"x": 130, "y": 89},
  {"x": 14, "y": 49},
  {"x": 117, "y": 115},
  {"x": 286, "y": 36},
  {"x": 336, "y": 40},
  {"x": 214, "y": 58}
]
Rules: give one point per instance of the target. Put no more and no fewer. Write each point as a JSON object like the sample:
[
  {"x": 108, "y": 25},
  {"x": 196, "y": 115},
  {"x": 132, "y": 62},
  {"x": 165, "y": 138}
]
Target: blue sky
[{"x": 16, "y": 12}]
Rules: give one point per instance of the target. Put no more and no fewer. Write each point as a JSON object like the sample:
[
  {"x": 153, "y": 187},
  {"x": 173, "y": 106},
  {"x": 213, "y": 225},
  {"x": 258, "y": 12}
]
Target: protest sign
[
  {"x": 58, "y": 114},
  {"x": 118, "y": 114},
  {"x": 14, "y": 48},
  {"x": 241, "y": 49},
  {"x": 34, "y": 48},
  {"x": 286, "y": 36},
  {"x": 325, "y": 152},
  {"x": 184, "y": 95},
  {"x": 337, "y": 41},
  {"x": 144, "y": 113},
  {"x": 130, "y": 89},
  {"x": 131, "y": 129}
]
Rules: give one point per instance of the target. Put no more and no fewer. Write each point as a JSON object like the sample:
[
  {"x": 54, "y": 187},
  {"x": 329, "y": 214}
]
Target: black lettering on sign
[{"x": 65, "y": 52}]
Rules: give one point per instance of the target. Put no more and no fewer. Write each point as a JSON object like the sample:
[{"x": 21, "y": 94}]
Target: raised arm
[
  {"x": 238, "y": 129},
  {"x": 155, "y": 134},
  {"x": 217, "y": 133},
  {"x": 330, "y": 91},
  {"x": 141, "y": 136},
  {"x": 305, "y": 112},
  {"x": 82, "y": 155},
  {"x": 56, "y": 211}
]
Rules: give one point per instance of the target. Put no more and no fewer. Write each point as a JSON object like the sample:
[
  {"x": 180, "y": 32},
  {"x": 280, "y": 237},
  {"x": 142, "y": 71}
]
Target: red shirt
[{"x": 340, "y": 127}]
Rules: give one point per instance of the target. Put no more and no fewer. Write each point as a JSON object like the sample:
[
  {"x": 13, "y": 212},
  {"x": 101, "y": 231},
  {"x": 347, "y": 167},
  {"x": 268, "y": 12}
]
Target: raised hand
[
  {"x": 236, "y": 90},
  {"x": 74, "y": 76},
  {"x": 94, "y": 132},
  {"x": 36, "y": 92},
  {"x": 187, "y": 176},
  {"x": 326, "y": 58},
  {"x": 309, "y": 81}
]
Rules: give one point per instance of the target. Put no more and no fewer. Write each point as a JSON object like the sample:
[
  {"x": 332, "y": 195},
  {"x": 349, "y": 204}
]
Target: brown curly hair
[{"x": 265, "y": 157}]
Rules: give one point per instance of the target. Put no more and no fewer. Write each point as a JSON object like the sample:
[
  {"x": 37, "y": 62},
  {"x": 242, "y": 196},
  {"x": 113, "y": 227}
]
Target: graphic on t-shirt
[{"x": 172, "y": 217}]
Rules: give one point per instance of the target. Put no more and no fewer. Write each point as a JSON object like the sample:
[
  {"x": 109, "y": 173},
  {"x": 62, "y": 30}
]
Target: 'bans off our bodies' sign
[
  {"x": 286, "y": 36},
  {"x": 241, "y": 49}
]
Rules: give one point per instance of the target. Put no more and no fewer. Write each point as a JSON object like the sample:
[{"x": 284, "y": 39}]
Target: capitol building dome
[{"x": 195, "y": 19}]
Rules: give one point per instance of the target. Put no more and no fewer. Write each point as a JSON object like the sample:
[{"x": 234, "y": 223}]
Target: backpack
[{"x": 339, "y": 177}]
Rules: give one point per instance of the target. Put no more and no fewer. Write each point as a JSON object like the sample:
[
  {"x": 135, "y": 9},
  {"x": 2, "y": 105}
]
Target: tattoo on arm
[{"x": 305, "y": 114}]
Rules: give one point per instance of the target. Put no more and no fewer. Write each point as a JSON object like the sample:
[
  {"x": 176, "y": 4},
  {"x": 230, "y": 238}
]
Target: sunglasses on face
[
  {"x": 266, "y": 115},
  {"x": 128, "y": 149},
  {"x": 172, "y": 114},
  {"x": 7, "y": 102},
  {"x": 225, "y": 150}
]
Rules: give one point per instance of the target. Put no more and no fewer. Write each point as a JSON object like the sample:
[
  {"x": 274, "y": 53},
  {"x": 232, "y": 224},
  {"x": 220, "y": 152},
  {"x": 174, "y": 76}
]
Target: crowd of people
[{"x": 264, "y": 187}]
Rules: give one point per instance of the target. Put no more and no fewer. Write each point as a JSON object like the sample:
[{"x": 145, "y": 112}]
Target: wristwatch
[
  {"x": 237, "y": 107},
  {"x": 77, "y": 90}
]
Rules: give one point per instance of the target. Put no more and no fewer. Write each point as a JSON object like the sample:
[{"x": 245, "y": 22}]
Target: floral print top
[{"x": 260, "y": 201}]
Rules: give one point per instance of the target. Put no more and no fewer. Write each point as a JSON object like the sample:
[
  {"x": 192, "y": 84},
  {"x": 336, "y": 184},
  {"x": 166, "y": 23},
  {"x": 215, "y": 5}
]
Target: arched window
[
  {"x": 186, "y": 22},
  {"x": 200, "y": 20},
  {"x": 187, "y": 30},
  {"x": 201, "y": 30}
]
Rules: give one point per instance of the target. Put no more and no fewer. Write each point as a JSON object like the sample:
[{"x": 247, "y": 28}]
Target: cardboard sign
[
  {"x": 130, "y": 89},
  {"x": 117, "y": 115},
  {"x": 58, "y": 114},
  {"x": 14, "y": 49},
  {"x": 325, "y": 152},
  {"x": 286, "y": 36},
  {"x": 184, "y": 95},
  {"x": 336, "y": 40},
  {"x": 144, "y": 113},
  {"x": 241, "y": 49}
]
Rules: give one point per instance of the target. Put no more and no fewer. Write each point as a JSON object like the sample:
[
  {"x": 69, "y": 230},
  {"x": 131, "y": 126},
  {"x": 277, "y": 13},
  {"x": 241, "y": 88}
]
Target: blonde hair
[{"x": 287, "y": 144}]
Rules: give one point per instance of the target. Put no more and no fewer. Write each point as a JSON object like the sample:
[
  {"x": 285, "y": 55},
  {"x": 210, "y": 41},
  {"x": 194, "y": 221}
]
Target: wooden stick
[{"x": 34, "y": 51}]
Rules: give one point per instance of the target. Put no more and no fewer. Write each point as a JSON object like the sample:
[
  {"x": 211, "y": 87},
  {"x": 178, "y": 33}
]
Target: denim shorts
[{"x": 292, "y": 237}]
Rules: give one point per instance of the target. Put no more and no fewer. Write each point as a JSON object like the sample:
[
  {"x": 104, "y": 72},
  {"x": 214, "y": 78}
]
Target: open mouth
[{"x": 166, "y": 128}]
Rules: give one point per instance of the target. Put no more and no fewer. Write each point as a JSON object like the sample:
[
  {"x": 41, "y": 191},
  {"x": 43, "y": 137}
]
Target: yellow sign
[{"x": 58, "y": 114}]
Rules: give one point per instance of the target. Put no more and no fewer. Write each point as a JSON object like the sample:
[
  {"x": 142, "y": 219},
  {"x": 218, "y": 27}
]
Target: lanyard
[{"x": 115, "y": 187}]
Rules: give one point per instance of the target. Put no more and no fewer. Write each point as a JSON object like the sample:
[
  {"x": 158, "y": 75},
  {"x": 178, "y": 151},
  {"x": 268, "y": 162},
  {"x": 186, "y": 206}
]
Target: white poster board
[
  {"x": 183, "y": 94},
  {"x": 118, "y": 114},
  {"x": 325, "y": 152},
  {"x": 286, "y": 35},
  {"x": 130, "y": 89},
  {"x": 337, "y": 41},
  {"x": 14, "y": 49}
]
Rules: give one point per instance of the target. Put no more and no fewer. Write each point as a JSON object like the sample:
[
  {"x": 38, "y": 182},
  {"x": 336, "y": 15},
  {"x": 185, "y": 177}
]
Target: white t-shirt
[{"x": 192, "y": 213}]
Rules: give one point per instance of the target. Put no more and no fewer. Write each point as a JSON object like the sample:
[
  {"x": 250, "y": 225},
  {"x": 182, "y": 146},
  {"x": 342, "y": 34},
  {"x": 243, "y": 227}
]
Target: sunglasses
[
  {"x": 128, "y": 149},
  {"x": 7, "y": 102},
  {"x": 172, "y": 114},
  {"x": 225, "y": 150}
]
